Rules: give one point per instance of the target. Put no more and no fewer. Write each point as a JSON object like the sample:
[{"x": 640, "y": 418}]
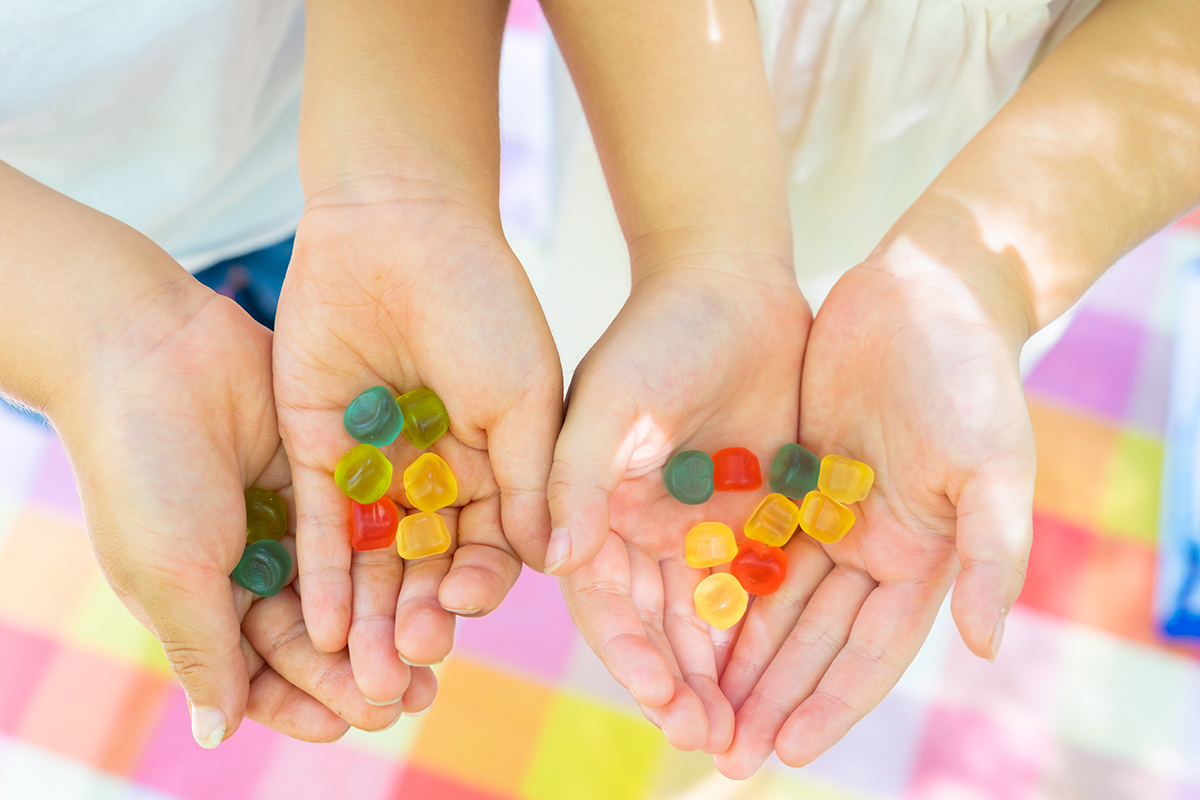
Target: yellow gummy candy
[
  {"x": 709, "y": 544},
  {"x": 844, "y": 479},
  {"x": 364, "y": 474},
  {"x": 774, "y": 521},
  {"x": 823, "y": 518},
  {"x": 429, "y": 484},
  {"x": 720, "y": 600},
  {"x": 421, "y": 535}
]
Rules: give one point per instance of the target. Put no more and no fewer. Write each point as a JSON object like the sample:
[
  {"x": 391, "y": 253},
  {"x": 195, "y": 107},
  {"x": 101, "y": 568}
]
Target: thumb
[
  {"x": 590, "y": 461},
  {"x": 994, "y": 533},
  {"x": 195, "y": 619}
]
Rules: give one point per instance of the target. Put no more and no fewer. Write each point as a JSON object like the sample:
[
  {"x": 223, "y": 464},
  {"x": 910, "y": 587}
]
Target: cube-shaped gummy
[
  {"x": 429, "y": 484},
  {"x": 264, "y": 568},
  {"x": 266, "y": 515},
  {"x": 794, "y": 471},
  {"x": 373, "y": 527},
  {"x": 844, "y": 479},
  {"x": 720, "y": 600},
  {"x": 363, "y": 474},
  {"x": 709, "y": 544},
  {"x": 774, "y": 521},
  {"x": 688, "y": 477},
  {"x": 373, "y": 417},
  {"x": 425, "y": 417},
  {"x": 824, "y": 518},
  {"x": 735, "y": 469},
  {"x": 423, "y": 534}
]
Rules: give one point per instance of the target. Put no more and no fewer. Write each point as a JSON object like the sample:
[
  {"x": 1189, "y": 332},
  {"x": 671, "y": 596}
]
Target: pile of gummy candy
[
  {"x": 375, "y": 419},
  {"x": 759, "y": 565}
]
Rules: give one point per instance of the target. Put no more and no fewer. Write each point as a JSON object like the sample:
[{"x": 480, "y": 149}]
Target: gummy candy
[
  {"x": 709, "y": 544},
  {"x": 423, "y": 534},
  {"x": 266, "y": 515},
  {"x": 363, "y": 474},
  {"x": 793, "y": 471},
  {"x": 264, "y": 568},
  {"x": 688, "y": 477},
  {"x": 774, "y": 521},
  {"x": 429, "y": 483},
  {"x": 824, "y": 519},
  {"x": 373, "y": 527},
  {"x": 425, "y": 417},
  {"x": 759, "y": 569},
  {"x": 844, "y": 479},
  {"x": 735, "y": 469},
  {"x": 373, "y": 417},
  {"x": 720, "y": 600}
]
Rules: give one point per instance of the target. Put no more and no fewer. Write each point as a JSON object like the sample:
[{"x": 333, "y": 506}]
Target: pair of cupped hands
[{"x": 905, "y": 367}]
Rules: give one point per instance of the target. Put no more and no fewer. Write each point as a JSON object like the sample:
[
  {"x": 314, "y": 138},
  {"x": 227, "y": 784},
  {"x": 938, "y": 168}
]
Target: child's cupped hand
[
  {"x": 912, "y": 370},
  {"x": 700, "y": 357},
  {"x": 406, "y": 293}
]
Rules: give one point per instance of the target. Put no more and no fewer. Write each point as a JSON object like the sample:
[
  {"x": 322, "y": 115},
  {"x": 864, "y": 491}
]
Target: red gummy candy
[
  {"x": 760, "y": 569},
  {"x": 736, "y": 470},
  {"x": 373, "y": 527}
]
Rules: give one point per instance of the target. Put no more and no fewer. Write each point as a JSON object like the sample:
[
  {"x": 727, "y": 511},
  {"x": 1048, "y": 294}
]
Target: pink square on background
[
  {"x": 54, "y": 487},
  {"x": 1022, "y": 684},
  {"x": 525, "y": 14},
  {"x": 419, "y": 784},
  {"x": 967, "y": 756},
  {"x": 303, "y": 771},
  {"x": 1094, "y": 365},
  {"x": 172, "y": 762},
  {"x": 24, "y": 658},
  {"x": 1056, "y": 562},
  {"x": 531, "y": 630}
]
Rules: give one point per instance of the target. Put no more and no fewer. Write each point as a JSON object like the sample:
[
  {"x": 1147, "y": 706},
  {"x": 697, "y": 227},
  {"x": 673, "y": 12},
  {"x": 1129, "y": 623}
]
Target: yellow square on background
[
  {"x": 1129, "y": 507},
  {"x": 102, "y": 624},
  {"x": 45, "y": 567}
]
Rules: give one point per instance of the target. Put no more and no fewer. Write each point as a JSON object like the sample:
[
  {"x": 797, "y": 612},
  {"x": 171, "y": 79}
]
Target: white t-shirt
[{"x": 178, "y": 118}]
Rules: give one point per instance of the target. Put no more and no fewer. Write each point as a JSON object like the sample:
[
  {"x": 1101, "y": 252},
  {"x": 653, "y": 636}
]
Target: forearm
[
  {"x": 76, "y": 283},
  {"x": 1099, "y": 149},
  {"x": 678, "y": 103},
  {"x": 401, "y": 101}
]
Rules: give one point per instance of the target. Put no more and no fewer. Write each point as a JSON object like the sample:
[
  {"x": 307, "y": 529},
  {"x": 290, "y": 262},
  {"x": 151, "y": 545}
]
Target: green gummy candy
[
  {"x": 264, "y": 569},
  {"x": 794, "y": 471},
  {"x": 373, "y": 417},
  {"x": 425, "y": 417},
  {"x": 266, "y": 515},
  {"x": 688, "y": 477}
]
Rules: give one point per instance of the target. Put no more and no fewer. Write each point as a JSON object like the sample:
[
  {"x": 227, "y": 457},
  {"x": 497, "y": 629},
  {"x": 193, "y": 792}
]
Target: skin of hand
[
  {"x": 697, "y": 359},
  {"x": 406, "y": 295},
  {"x": 912, "y": 368},
  {"x": 401, "y": 277},
  {"x": 161, "y": 392}
]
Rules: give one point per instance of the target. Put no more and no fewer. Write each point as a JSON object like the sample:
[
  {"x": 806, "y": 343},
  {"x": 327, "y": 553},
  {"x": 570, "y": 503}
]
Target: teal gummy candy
[
  {"x": 794, "y": 471},
  {"x": 373, "y": 417},
  {"x": 688, "y": 477},
  {"x": 264, "y": 569}
]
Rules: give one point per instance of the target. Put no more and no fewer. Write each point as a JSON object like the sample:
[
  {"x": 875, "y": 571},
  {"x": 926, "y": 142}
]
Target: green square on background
[
  {"x": 1125, "y": 701},
  {"x": 589, "y": 752},
  {"x": 1129, "y": 505}
]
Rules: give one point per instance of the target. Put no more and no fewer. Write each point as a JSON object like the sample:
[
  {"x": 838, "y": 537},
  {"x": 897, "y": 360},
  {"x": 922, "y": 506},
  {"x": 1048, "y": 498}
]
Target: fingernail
[
  {"x": 998, "y": 634},
  {"x": 463, "y": 612},
  {"x": 381, "y": 703},
  {"x": 393, "y": 723},
  {"x": 417, "y": 663},
  {"x": 208, "y": 726},
  {"x": 420, "y": 713},
  {"x": 559, "y": 550}
]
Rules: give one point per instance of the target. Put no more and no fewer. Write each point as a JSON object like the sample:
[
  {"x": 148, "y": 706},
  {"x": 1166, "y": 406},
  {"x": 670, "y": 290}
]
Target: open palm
[
  {"x": 908, "y": 371},
  {"x": 697, "y": 359}
]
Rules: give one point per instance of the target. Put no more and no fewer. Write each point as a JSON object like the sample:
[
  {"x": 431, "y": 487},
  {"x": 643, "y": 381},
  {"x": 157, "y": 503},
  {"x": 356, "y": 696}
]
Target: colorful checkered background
[{"x": 1084, "y": 702}]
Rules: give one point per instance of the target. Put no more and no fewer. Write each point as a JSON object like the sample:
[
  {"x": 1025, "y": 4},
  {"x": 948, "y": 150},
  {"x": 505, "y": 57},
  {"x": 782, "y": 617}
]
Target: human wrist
[{"x": 764, "y": 255}]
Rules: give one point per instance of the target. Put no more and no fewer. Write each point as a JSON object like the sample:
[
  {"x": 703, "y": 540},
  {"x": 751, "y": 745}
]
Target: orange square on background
[
  {"x": 1116, "y": 589},
  {"x": 45, "y": 567},
  {"x": 94, "y": 710},
  {"x": 484, "y": 727},
  {"x": 1073, "y": 458}
]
